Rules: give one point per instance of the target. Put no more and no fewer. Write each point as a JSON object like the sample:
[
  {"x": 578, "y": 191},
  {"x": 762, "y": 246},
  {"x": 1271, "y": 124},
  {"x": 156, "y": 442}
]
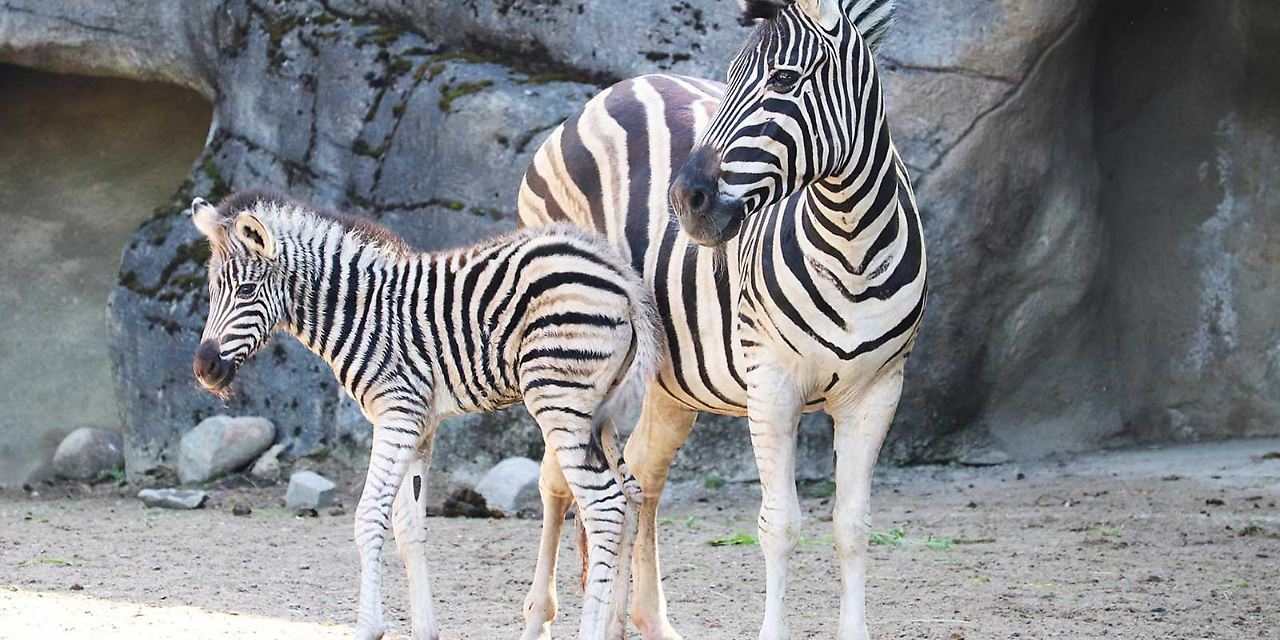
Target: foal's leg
[
  {"x": 540, "y": 604},
  {"x": 617, "y": 625},
  {"x": 393, "y": 446},
  {"x": 597, "y": 490},
  {"x": 409, "y": 519},
  {"x": 774, "y": 404},
  {"x": 662, "y": 428},
  {"x": 860, "y": 427}
]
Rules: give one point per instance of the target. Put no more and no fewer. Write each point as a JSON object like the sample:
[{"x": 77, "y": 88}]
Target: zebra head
[
  {"x": 246, "y": 289},
  {"x": 790, "y": 113}
]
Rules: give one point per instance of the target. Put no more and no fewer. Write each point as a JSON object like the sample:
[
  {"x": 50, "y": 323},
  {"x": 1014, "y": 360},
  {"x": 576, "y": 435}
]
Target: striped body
[
  {"x": 552, "y": 317},
  {"x": 838, "y": 303},
  {"x": 776, "y": 226}
]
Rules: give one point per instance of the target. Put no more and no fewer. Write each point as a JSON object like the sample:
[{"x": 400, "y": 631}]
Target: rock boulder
[
  {"x": 86, "y": 454},
  {"x": 221, "y": 444}
]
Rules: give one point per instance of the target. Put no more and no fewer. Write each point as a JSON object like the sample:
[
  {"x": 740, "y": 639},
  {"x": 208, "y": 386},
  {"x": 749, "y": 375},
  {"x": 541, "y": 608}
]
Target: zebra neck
[
  {"x": 339, "y": 288},
  {"x": 855, "y": 213}
]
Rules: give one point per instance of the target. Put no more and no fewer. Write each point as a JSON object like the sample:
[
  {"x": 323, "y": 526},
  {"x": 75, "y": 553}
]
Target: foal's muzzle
[{"x": 211, "y": 370}]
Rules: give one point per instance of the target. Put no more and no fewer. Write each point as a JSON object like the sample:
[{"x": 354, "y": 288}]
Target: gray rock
[
  {"x": 511, "y": 486},
  {"x": 173, "y": 498},
  {"x": 267, "y": 466},
  {"x": 222, "y": 444},
  {"x": 310, "y": 490},
  {"x": 983, "y": 457},
  {"x": 85, "y": 454},
  {"x": 1053, "y": 187}
]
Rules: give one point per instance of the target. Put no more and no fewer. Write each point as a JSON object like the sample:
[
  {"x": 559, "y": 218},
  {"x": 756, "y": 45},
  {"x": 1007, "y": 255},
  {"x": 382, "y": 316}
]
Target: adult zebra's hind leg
[
  {"x": 662, "y": 428},
  {"x": 861, "y": 424},
  {"x": 409, "y": 520},
  {"x": 540, "y": 604},
  {"x": 393, "y": 446}
]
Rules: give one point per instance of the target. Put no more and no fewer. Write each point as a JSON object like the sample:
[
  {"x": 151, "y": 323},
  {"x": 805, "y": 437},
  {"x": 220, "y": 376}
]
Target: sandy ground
[{"x": 1172, "y": 543}]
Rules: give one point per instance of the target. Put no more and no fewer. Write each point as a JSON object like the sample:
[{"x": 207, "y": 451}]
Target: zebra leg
[
  {"x": 409, "y": 519},
  {"x": 598, "y": 492},
  {"x": 634, "y": 495},
  {"x": 540, "y": 604},
  {"x": 393, "y": 446},
  {"x": 860, "y": 427},
  {"x": 662, "y": 428},
  {"x": 773, "y": 412}
]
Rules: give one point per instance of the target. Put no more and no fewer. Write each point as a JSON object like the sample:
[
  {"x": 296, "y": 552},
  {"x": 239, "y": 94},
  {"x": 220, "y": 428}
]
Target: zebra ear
[
  {"x": 872, "y": 18},
  {"x": 827, "y": 13},
  {"x": 250, "y": 230},
  {"x": 207, "y": 220}
]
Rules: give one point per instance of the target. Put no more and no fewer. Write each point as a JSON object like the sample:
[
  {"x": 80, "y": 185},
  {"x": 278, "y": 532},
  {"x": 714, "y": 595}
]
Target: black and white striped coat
[
  {"x": 777, "y": 227},
  {"x": 552, "y": 317}
]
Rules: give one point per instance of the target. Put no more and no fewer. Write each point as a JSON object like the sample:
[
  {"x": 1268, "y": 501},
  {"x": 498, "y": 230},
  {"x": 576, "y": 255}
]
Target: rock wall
[
  {"x": 82, "y": 162},
  {"x": 1041, "y": 164},
  {"x": 1188, "y": 138}
]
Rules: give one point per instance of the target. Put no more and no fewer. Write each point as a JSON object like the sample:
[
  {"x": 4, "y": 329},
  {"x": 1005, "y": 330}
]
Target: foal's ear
[
  {"x": 826, "y": 13},
  {"x": 255, "y": 236},
  {"x": 207, "y": 220}
]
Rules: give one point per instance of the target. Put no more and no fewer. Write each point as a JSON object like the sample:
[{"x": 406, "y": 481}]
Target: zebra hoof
[{"x": 370, "y": 631}]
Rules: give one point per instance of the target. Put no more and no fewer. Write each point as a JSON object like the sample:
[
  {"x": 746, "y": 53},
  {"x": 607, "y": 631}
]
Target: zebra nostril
[
  {"x": 698, "y": 201},
  {"x": 208, "y": 362}
]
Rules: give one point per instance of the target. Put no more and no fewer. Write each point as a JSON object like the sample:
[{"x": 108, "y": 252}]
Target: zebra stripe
[
  {"x": 810, "y": 292},
  {"x": 553, "y": 317}
]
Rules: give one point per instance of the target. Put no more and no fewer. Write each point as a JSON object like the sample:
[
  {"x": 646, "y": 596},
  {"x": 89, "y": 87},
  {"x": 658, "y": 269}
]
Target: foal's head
[{"x": 247, "y": 291}]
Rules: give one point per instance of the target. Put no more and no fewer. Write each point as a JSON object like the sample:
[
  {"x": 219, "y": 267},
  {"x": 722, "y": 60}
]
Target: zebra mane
[
  {"x": 248, "y": 200},
  {"x": 871, "y": 17}
]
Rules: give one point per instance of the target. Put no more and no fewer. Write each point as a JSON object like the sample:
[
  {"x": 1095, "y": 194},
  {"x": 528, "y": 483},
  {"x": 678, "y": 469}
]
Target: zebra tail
[
  {"x": 647, "y": 351},
  {"x": 582, "y": 549}
]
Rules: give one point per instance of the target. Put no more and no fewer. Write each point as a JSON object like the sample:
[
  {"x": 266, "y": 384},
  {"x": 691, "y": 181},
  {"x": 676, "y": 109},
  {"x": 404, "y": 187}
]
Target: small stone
[
  {"x": 511, "y": 485},
  {"x": 173, "y": 498},
  {"x": 464, "y": 502},
  {"x": 241, "y": 510},
  {"x": 310, "y": 490},
  {"x": 308, "y": 512},
  {"x": 337, "y": 511},
  {"x": 76, "y": 586},
  {"x": 86, "y": 454},
  {"x": 983, "y": 456},
  {"x": 222, "y": 444},
  {"x": 267, "y": 467}
]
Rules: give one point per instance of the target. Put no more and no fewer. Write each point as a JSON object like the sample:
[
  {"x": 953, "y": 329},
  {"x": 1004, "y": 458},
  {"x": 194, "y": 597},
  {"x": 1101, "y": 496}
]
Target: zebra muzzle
[
  {"x": 211, "y": 370},
  {"x": 695, "y": 195}
]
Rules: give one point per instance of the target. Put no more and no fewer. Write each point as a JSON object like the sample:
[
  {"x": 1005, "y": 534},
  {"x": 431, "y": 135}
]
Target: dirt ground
[{"x": 1172, "y": 543}]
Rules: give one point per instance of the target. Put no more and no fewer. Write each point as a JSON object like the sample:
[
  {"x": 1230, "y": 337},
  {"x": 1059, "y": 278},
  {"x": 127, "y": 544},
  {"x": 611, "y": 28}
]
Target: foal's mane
[{"x": 247, "y": 200}]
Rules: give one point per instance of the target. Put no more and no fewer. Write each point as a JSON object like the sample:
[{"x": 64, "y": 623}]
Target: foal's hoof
[{"x": 370, "y": 631}]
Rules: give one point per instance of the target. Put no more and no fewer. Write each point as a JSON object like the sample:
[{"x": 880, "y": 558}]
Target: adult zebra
[
  {"x": 794, "y": 281},
  {"x": 552, "y": 317}
]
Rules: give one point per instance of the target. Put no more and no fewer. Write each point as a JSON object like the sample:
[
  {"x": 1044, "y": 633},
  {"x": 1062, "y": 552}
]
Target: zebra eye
[
  {"x": 783, "y": 79},
  {"x": 245, "y": 290}
]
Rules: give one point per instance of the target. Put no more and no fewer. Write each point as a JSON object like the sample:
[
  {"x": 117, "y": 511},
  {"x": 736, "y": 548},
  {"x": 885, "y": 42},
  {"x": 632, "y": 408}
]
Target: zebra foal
[{"x": 552, "y": 317}]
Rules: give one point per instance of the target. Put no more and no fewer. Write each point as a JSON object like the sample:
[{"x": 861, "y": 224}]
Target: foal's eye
[
  {"x": 783, "y": 79},
  {"x": 245, "y": 290}
]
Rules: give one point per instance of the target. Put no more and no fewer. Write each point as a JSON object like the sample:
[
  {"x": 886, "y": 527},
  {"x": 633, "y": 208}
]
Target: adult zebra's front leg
[
  {"x": 861, "y": 423},
  {"x": 774, "y": 405},
  {"x": 394, "y": 442}
]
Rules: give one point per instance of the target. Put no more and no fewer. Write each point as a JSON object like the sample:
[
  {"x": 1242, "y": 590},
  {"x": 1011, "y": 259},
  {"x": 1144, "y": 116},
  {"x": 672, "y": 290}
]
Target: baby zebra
[{"x": 552, "y": 316}]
